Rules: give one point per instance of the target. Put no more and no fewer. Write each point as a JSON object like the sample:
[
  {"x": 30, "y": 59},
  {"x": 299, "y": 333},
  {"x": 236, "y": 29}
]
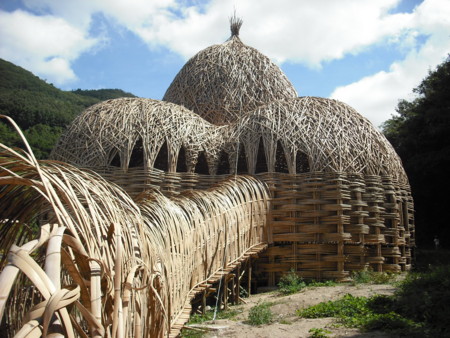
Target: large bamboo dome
[{"x": 223, "y": 81}]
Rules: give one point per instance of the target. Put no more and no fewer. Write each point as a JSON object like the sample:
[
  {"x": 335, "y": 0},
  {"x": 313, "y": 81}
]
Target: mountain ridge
[{"x": 40, "y": 109}]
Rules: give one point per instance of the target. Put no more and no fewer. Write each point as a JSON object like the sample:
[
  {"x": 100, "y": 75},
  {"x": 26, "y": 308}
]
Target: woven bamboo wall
[
  {"x": 325, "y": 225},
  {"x": 322, "y": 225}
]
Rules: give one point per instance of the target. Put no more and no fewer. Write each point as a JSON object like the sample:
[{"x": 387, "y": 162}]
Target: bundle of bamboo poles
[{"x": 82, "y": 258}]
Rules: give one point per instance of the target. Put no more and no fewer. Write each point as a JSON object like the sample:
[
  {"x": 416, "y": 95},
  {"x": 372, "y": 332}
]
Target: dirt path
[{"x": 286, "y": 323}]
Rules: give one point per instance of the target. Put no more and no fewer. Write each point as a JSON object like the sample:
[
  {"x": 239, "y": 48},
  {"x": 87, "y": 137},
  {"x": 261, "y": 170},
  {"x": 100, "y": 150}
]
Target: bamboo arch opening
[
  {"x": 281, "y": 165},
  {"x": 181, "y": 161},
  {"x": 161, "y": 161},
  {"x": 137, "y": 155},
  {"x": 302, "y": 163},
  {"x": 242, "y": 161},
  {"x": 202, "y": 164},
  {"x": 261, "y": 161},
  {"x": 224, "y": 164}
]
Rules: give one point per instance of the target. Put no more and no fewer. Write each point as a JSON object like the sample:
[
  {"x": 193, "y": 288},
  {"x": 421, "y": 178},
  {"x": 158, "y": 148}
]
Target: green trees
[
  {"x": 421, "y": 136},
  {"x": 40, "y": 109}
]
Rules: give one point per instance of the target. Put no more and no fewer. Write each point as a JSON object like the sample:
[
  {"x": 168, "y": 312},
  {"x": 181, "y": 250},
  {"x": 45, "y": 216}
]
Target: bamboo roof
[
  {"x": 223, "y": 81},
  {"x": 228, "y": 97},
  {"x": 114, "y": 126},
  {"x": 333, "y": 136}
]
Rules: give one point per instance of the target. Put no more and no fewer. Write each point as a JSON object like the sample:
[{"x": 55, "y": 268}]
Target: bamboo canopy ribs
[{"x": 148, "y": 204}]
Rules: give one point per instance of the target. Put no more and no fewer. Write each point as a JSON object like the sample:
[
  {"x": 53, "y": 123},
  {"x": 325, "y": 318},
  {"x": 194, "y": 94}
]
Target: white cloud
[
  {"x": 44, "y": 44},
  {"x": 376, "y": 96},
  {"x": 305, "y": 31},
  {"x": 302, "y": 31},
  {"x": 309, "y": 32}
]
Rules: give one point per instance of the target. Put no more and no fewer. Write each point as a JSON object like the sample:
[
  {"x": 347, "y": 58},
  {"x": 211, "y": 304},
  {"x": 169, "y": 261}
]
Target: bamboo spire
[{"x": 235, "y": 25}]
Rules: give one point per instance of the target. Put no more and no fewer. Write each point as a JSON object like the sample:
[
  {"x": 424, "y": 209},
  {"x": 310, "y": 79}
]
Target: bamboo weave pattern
[{"x": 108, "y": 265}]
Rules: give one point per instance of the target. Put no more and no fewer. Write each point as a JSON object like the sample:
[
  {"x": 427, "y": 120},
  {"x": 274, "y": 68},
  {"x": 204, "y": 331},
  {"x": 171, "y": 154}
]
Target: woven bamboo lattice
[
  {"x": 331, "y": 134},
  {"x": 103, "y": 264},
  {"x": 223, "y": 81},
  {"x": 325, "y": 225},
  {"x": 114, "y": 127}
]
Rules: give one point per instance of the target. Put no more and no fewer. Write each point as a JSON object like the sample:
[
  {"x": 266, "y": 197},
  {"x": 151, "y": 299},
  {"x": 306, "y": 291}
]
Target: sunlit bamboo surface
[
  {"x": 225, "y": 80},
  {"x": 330, "y": 134},
  {"x": 102, "y": 264}
]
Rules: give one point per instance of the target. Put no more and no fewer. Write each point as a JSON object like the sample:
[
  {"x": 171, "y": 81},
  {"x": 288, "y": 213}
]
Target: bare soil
[{"x": 286, "y": 323}]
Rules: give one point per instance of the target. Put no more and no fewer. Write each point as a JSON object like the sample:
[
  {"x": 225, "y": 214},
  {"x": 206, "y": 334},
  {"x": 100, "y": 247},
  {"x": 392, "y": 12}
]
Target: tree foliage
[
  {"x": 40, "y": 109},
  {"x": 421, "y": 135}
]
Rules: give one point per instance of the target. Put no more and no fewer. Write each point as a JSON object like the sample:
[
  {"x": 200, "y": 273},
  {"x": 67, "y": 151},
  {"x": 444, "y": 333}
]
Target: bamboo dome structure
[
  {"x": 340, "y": 198},
  {"x": 223, "y": 81},
  {"x": 328, "y": 134},
  {"x": 147, "y": 203}
]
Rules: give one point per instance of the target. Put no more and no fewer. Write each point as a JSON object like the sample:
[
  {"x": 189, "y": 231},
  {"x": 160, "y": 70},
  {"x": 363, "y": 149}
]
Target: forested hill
[{"x": 41, "y": 109}]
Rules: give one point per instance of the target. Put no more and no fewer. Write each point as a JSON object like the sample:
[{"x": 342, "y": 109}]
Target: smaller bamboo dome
[
  {"x": 136, "y": 129},
  {"x": 332, "y": 136},
  {"x": 223, "y": 81}
]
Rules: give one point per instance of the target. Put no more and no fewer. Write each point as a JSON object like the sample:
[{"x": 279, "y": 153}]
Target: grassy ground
[{"x": 420, "y": 306}]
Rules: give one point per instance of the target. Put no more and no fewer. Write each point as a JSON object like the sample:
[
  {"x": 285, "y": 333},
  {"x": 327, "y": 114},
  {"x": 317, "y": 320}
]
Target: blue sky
[{"x": 367, "y": 53}]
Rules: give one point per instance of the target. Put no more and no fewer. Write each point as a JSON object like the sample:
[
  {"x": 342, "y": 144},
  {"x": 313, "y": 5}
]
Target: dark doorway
[
  {"x": 242, "y": 161},
  {"x": 224, "y": 164},
  {"x": 261, "y": 161},
  {"x": 302, "y": 163},
  {"x": 281, "y": 165},
  {"x": 202, "y": 164},
  {"x": 137, "y": 155},
  {"x": 162, "y": 159},
  {"x": 181, "y": 162}
]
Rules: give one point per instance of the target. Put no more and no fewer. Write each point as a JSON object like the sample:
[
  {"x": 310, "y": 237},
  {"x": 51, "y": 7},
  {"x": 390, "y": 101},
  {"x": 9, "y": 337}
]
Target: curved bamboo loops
[{"x": 130, "y": 259}]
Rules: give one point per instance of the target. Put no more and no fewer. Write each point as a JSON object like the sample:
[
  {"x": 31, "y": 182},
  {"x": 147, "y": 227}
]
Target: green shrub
[
  {"x": 368, "y": 314},
  {"x": 319, "y": 333},
  {"x": 390, "y": 322},
  {"x": 425, "y": 297},
  {"x": 381, "y": 304},
  {"x": 291, "y": 283},
  {"x": 361, "y": 277},
  {"x": 187, "y": 332},
  {"x": 348, "y": 306},
  {"x": 369, "y": 276},
  {"x": 260, "y": 314},
  {"x": 197, "y": 318},
  {"x": 313, "y": 283}
]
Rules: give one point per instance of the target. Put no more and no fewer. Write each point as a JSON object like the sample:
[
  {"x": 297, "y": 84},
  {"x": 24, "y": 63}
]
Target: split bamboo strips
[
  {"x": 128, "y": 266},
  {"x": 132, "y": 132}
]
